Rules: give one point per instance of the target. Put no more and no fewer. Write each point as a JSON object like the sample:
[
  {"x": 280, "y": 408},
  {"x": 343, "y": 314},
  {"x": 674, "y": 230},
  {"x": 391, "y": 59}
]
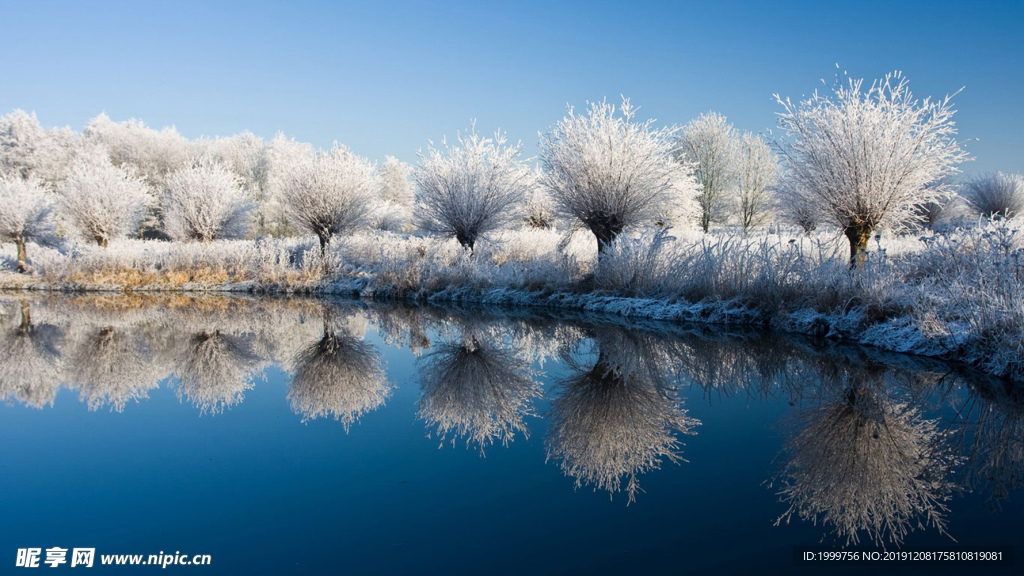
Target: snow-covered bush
[
  {"x": 470, "y": 188},
  {"x": 331, "y": 193},
  {"x": 100, "y": 201},
  {"x": 26, "y": 215},
  {"x": 995, "y": 195},
  {"x": 204, "y": 201},
  {"x": 610, "y": 172},
  {"x": 867, "y": 158}
]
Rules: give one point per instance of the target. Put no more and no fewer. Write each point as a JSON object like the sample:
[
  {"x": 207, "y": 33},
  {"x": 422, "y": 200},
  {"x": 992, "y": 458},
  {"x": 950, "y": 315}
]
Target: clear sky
[{"x": 385, "y": 77}]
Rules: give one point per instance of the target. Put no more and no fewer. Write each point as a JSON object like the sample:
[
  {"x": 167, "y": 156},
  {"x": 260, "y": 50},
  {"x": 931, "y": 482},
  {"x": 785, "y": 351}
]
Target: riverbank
[{"x": 955, "y": 296}]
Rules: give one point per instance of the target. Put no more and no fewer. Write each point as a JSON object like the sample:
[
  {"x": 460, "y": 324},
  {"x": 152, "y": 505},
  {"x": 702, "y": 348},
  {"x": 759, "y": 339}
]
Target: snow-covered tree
[
  {"x": 393, "y": 210},
  {"x": 867, "y": 158},
  {"x": 26, "y": 215},
  {"x": 757, "y": 171},
  {"x": 284, "y": 156},
  {"x": 21, "y": 144},
  {"x": 995, "y": 194},
  {"x": 470, "y": 188},
  {"x": 100, "y": 201},
  {"x": 709, "y": 144},
  {"x": 246, "y": 155},
  {"x": 331, "y": 193},
  {"x": 154, "y": 154},
  {"x": 28, "y": 150},
  {"x": 204, "y": 201},
  {"x": 610, "y": 172}
]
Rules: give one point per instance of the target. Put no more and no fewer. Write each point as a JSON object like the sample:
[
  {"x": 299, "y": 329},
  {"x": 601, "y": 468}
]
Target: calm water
[{"x": 311, "y": 436}]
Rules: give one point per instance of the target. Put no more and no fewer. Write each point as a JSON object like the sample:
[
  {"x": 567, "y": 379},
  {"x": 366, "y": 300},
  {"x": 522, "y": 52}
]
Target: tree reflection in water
[
  {"x": 865, "y": 462},
  {"x": 477, "y": 389},
  {"x": 110, "y": 366},
  {"x": 215, "y": 369},
  {"x": 339, "y": 376},
  {"x": 30, "y": 366},
  {"x": 619, "y": 418}
]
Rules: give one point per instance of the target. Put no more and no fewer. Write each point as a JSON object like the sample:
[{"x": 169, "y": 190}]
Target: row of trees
[{"x": 858, "y": 159}]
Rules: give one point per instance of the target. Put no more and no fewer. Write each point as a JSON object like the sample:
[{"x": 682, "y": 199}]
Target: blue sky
[{"x": 385, "y": 77}]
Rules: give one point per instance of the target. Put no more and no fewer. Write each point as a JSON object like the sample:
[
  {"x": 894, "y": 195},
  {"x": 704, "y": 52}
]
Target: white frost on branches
[
  {"x": 995, "y": 194},
  {"x": 471, "y": 188},
  {"x": 331, "y": 193},
  {"x": 204, "y": 201},
  {"x": 868, "y": 158},
  {"x": 100, "y": 201},
  {"x": 26, "y": 215},
  {"x": 708, "y": 143},
  {"x": 610, "y": 172}
]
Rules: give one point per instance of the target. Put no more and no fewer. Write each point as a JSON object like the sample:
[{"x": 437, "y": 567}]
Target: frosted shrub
[
  {"x": 205, "y": 201},
  {"x": 470, "y": 188},
  {"x": 100, "y": 201},
  {"x": 26, "y": 215},
  {"x": 330, "y": 194},
  {"x": 995, "y": 194},
  {"x": 609, "y": 172}
]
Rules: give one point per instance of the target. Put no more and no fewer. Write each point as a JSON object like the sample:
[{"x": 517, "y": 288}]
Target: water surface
[{"x": 318, "y": 436}]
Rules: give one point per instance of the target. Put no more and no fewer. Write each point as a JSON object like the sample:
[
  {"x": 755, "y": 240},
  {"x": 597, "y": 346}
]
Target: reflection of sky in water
[{"x": 289, "y": 436}]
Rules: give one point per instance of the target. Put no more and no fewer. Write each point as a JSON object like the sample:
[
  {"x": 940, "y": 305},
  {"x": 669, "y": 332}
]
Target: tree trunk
[
  {"x": 467, "y": 240},
  {"x": 324, "y": 240},
  {"x": 101, "y": 241},
  {"x": 22, "y": 256},
  {"x": 858, "y": 237},
  {"x": 26, "y": 318},
  {"x": 606, "y": 233}
]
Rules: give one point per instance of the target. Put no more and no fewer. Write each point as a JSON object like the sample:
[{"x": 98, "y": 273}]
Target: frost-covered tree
[
  {"x": 331, "y": 193},
  {"x": 246, "y": 155},
  {"x": 155, "y": 154},
  {"x": 22, "y": 143},
  {"x": 866, "y": 158},
  {"x": 205, "y": 201},
  {"x": 100, "y": 201},
  {"x": 26, "y": 215},
  {"x": 396, "y": 194},
  {"x": 28, "y": 150},
  {"x": 470, "y": 188},
  {"x": 995, "y": 195},
  {"x": 757, "y": 171},
  {"x": 284, "y": 156},
  {"x": 709, "y": 144},
  {"x": 609, "y": 172}
]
